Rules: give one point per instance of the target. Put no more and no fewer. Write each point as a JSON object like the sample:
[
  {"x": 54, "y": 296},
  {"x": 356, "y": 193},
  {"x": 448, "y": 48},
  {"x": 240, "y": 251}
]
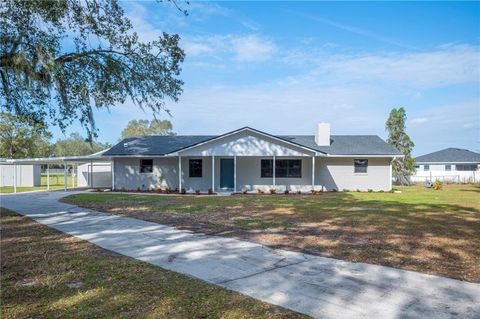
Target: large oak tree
[{"x": 61, "y": 59}]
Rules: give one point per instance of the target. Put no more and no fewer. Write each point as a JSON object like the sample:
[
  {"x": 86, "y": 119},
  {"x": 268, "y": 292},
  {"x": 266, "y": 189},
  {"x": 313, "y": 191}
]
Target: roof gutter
[{"x": 367, "y": 155}]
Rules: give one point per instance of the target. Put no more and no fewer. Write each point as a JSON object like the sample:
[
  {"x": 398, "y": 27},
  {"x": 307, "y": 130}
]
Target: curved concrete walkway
[{"x": 317, "y": 286}]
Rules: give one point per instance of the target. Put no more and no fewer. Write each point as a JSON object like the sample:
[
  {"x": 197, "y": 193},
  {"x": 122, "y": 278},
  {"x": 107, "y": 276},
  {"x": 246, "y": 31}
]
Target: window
[
  {"x": 426, "y": 168},
  {"x": 360, "y": 165},
  {"x": 448, "y": 167},
  {"x": 284, "y": 168},
  {"x": 146, "y": 166},
  {"x": 266, "y": 168},
  {"x": 195, "y": 168},
  {"x": 466, "y": 167}
]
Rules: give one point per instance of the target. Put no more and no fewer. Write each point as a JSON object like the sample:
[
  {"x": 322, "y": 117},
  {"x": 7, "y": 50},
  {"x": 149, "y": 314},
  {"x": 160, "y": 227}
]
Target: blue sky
[{"x": 282, "y": 67}]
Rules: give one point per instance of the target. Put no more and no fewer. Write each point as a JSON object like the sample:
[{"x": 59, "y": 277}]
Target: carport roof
[{"x": 96, "y": 157}]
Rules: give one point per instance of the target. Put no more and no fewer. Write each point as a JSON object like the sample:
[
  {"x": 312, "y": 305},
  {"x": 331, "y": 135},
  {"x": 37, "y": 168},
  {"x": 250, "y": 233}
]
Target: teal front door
[{"x": 226, "y": 173}]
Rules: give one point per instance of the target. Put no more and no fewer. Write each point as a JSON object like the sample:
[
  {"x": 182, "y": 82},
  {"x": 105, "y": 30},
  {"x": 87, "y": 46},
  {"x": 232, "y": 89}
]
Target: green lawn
[
  {"x": 436, "y": 232},
  {"x": 48, "y": 274},
  {"x": 56, "y": 182}
]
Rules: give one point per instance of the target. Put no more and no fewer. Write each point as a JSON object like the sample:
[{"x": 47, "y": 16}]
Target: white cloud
[
  {"x": 441, "y": 67},
  {"x": 356, "y": 30},
  {"x": 252, "y": 48},
  {"x": 241, "y": 48},
  {"x": 196, "y": 48},
  {"x": 419, "y": 120}
]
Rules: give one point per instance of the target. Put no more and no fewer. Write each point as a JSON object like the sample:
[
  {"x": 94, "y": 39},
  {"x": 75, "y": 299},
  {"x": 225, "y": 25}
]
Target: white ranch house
[
  {"x": 242, "y": 160},
  {"x": 247, "y": 160}
]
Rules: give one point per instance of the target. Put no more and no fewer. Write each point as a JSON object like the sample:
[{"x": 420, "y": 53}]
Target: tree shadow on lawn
[
  {"x": 122, "y": 287},
  {"x": 38, "y": 263},
  {"x": 435, "y": 238},
  {"x": 475, "y": 190}
]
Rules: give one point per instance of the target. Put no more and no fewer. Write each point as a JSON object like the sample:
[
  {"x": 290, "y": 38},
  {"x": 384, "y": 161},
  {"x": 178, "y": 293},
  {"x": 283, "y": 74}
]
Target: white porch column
[
  {"x": 75, "y": 183},
  {"x": 14, "y": 178},
  {"x": 273, "y": 171},
  {"x": 213, "y": 173},
  {"x": 73, "y": 176},
  {"x": 91, "y": 174},
  {"x": 179, "y": 174},
  {"x": 48, "y": 177},
  {"x": 313, "y": 171},
  {"x": 64, "y": 176},
  {"x": 112, "y": 168},
  {"x": 235, "y": 174}
]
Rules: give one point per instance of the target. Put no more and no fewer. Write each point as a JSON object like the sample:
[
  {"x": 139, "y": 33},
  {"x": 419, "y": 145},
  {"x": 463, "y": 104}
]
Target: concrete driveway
[{"x": 317, "y": 286}]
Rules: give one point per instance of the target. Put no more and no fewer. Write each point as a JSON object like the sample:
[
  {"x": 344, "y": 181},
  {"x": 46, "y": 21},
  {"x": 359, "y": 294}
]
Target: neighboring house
[
  {"x": 248, "y": 159},
  {"x": 450, "y": 164}
]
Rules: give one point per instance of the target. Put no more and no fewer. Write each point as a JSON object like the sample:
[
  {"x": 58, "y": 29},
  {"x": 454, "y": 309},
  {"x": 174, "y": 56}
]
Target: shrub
[
  {"x": 299, "y": 192},
  {"x": 438, "y": 185},
  {"x": 138, "y": 189},
  {"x": 210, "y": 191},
  {"x": 286, "y": 192},
  {"x": 370, "y": 190},
  {"x": 358, "y": 191},
  {"x": 260, "y": 191},
  {"x": 273, "y": 191},
  {"x": 244, "y": 191},
  {"x": 334, "y": 190},
  {"x": 183, "y": 191},
  {"x": 346, "y": 190},
  {"x": 197, "y": 192}
]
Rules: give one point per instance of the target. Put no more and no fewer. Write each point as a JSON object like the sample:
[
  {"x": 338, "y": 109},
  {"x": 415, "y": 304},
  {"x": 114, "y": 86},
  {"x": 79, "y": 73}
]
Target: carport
[{"x": 65, "y": 161}]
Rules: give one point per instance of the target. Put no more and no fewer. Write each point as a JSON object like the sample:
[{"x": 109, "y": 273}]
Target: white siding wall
[
  {"x": 27, "y": 175},
  {"x": 338, "y": 173},
  {"x": 102, "y": 175},
  {"x": 128, "y": 176},
  {"x": 331, "y": 173}
]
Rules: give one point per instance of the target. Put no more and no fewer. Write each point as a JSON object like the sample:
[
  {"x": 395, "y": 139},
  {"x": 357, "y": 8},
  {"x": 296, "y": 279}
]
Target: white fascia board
[
  {"x": 136, "y": 156},
  {"x": 366, "y": 155},
  {"x": 55, "y": 160},
  {"x": 433, "y": 163}
]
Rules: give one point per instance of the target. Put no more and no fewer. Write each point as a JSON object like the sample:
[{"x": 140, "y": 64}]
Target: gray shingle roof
[
  {"x": 346, "y": 144},
  {"x": 340, "y": 144},
  {"x": 155, "y": 145},
  {"x": 450, "y": 155}
]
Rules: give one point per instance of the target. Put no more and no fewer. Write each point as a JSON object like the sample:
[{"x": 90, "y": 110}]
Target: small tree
[
  {"x": 146, "y": 127},
  {"x": 398, "y": 138}
]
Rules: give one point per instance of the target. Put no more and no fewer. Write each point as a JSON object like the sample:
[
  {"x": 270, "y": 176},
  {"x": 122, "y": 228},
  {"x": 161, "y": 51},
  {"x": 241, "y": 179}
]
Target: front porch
[{"x": 227, "y": 174}]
